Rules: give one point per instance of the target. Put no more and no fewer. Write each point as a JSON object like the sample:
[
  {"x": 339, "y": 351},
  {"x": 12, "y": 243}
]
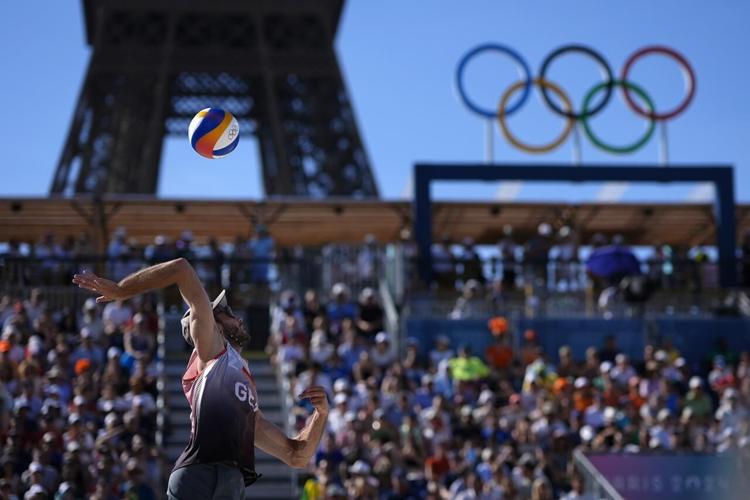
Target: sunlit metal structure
[{"x": 155, "y": 63}]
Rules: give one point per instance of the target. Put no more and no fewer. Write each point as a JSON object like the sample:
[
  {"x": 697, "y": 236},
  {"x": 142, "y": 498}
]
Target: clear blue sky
[{"x": 399, "y": 59}]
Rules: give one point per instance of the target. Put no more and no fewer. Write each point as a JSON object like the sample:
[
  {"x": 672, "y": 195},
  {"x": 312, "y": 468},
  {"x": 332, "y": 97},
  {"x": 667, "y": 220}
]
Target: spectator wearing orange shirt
[
  {"x": 500, "y": 354},
  {"x": 583, "y": 394}
]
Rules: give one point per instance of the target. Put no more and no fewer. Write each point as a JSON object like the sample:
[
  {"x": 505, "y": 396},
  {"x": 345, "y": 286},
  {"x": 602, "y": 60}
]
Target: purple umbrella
[{"x": 610, "y": 261}]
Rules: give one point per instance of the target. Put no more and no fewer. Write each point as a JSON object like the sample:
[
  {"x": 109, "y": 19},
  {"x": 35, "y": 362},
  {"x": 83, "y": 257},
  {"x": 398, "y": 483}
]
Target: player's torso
[{"x": 223, "y": 400}]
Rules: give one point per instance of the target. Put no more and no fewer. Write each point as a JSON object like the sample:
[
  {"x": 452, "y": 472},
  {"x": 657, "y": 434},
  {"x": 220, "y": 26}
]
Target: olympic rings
[
  {"x": 608, "y": 83},
  {"x": 501, "y": 115},
  {"x": 520, "y": 62},
  {"x": 585, "y": 113},
  {"x": 618, "y": 149},
  {"x": 690, "y": 84}
]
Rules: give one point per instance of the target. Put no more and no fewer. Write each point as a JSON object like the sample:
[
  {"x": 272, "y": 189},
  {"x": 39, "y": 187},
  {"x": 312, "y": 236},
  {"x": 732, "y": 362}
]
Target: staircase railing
[{"x": 596, "y": 483}]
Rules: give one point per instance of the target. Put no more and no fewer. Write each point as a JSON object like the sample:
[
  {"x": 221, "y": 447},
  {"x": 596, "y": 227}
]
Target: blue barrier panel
[
  {"x": 697, "y": 338},
  {"x": 582, "y": 333},
  {"x": 472, "y": 332},
  {"x": 667, "y": 477}
]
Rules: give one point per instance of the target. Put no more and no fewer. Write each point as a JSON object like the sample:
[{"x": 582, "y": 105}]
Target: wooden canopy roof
[{"x": 317, "y": 222}]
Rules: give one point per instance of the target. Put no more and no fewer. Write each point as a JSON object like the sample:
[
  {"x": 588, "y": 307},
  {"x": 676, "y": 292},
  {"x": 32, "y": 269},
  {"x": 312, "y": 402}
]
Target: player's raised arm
[
  {"x": 175, "y": 272},
  {"x": 295, "y": 452}
]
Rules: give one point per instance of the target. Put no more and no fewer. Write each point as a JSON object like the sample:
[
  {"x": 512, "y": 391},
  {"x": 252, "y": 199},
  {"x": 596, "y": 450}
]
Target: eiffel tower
[{"x": 271, "y": 63}]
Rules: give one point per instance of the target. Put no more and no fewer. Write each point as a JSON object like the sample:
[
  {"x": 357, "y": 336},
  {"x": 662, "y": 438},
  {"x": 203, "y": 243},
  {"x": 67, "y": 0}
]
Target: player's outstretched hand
[
  {"x": 318, "y": 398},
  {"x": 108, "y": 290}
]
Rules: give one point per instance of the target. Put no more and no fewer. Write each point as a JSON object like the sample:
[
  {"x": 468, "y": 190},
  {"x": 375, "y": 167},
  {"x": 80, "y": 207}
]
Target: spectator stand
[{"x": 81, "y": 385}]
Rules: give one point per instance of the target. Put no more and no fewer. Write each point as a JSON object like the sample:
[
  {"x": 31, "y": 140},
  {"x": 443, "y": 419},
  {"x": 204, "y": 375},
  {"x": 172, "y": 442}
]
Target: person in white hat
[
  {"x": 382, "y": 354},
  {"x": 227, "y": 423}
]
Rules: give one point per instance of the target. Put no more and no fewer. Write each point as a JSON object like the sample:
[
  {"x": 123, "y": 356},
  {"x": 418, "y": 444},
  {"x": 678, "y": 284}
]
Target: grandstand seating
[{"x": 498, "y": 408}]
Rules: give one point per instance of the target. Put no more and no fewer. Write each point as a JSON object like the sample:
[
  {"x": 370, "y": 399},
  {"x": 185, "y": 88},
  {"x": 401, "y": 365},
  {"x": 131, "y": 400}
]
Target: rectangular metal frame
[{"x": 722, "y": 177}]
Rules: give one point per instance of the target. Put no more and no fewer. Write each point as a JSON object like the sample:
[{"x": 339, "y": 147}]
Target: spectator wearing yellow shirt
[{"x": 467, "y": 368}]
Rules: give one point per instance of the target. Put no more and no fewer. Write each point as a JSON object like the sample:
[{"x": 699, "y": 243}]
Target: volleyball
[{"x": 214, "y": 133}]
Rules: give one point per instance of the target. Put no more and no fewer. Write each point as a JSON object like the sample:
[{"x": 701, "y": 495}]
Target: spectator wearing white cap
[
  {"x": 91, "y": 319},
  {"x": 382, "y": 354},
  {"x": 35, "y": 492},
  {"x": 87, "y": 349},
  {"x": 66, "y": 491},
  {"x": 340, "y": 307},
  {"x": 622, "y": 372},
  {"x": 160, "y": 251},
  {"x": 139, "y": 342},
  {"x": 138, "y": 397},
  {"x": 76, "y": 433},
  {"x": 42, "y": 476},
  {"x": 117, "y": 313},
  {"x": 662, "y": 434},
  {"x": 697, "y": 400},
  {"x": 594, "y": 414},
  {"x": 361, "y": 484},
  {"x": 336, "y": 417},
  {"x": 731, "y": 412},
  {"x": 320, "y": 349}
]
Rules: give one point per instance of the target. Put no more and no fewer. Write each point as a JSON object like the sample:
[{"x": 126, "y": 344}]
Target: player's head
[{"x": 227, "y": 323}]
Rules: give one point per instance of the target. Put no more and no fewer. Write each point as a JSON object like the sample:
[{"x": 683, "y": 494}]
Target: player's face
[{"x": 233, "y": 328}]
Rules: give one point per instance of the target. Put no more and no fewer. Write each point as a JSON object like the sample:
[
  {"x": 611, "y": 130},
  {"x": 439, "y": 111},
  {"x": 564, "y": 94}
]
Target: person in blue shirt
[
  {"x": 262, "y": 253},
  {"x": 340, "y": 307}
]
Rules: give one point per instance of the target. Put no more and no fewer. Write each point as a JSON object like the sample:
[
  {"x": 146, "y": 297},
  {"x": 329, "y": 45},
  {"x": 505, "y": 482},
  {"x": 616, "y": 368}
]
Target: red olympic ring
[{"x": 690, "y": 82}]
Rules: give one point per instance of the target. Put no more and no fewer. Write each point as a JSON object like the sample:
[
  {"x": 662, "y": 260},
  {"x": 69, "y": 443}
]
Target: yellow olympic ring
[{"x": 545, "y": 148}]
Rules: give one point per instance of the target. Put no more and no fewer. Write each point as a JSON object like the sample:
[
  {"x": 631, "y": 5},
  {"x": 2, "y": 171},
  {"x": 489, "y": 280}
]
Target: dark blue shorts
[{"x": 206, "y": 482}]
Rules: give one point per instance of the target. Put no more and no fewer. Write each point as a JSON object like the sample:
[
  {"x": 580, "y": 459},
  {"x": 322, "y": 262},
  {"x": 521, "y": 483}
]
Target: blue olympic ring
[{"x": 525, "y": 76}]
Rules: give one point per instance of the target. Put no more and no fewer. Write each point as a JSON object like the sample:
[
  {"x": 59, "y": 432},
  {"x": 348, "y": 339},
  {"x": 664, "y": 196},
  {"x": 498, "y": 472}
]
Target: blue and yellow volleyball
[{"x": 214, "y": 133}]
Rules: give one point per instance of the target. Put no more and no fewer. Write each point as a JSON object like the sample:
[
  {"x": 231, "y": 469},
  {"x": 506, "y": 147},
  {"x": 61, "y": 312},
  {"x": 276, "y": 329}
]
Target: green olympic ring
[{"x": 601, "y": 144}]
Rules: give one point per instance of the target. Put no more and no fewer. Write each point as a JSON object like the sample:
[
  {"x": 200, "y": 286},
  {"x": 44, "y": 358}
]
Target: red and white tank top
[{"x": 223, "y": 401}]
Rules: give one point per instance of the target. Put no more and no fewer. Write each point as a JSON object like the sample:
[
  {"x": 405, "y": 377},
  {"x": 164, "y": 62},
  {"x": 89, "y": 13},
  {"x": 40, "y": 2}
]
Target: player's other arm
[
  {"x": 295, "y": 452},
  {"x": 174, "y": 272}
]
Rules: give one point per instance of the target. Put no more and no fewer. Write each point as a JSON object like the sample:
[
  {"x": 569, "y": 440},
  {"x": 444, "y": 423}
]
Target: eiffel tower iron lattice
[{"x": 271, "y": 63}]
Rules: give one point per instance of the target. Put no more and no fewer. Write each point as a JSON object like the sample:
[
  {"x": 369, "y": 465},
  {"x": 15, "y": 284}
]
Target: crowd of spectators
[
  {"x": 77, "y": 400},
  {"x": 247, "y": 260},
  {"x": 606, "y": 275},
  {"x": 447, "y": 423},
  {"x": 557, "y": 260},
  {"x": 548, "y": 260}
]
